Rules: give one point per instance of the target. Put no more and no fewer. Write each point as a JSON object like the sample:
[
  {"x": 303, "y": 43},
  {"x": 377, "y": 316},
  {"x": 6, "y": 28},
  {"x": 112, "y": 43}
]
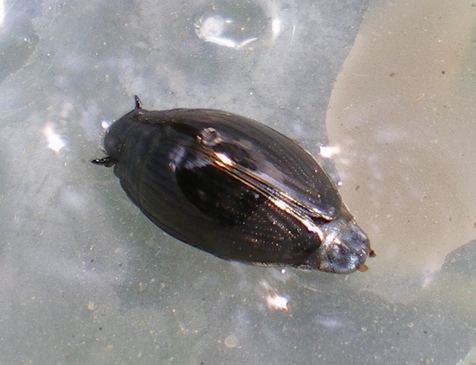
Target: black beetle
[{"x": 235, "y": 188}]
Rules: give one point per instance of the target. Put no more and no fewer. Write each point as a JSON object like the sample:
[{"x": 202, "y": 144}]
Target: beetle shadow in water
[
  {"x": 188, "y": 291},
  {"x": 455, "y": 284},
  {"x": 169, "y": 268},
  {"x": 462, "y": 260}
]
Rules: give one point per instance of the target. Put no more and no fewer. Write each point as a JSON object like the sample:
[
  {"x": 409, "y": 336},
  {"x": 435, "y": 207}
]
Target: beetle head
[{"x": 344, "y": 246}]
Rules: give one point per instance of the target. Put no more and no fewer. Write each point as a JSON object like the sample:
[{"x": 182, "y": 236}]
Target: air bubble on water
[{"x": 231, "y": 24}]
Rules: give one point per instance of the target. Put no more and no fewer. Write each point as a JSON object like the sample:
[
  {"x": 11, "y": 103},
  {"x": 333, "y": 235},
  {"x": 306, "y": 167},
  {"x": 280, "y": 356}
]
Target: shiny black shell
[{"x": 233, "y": 187}]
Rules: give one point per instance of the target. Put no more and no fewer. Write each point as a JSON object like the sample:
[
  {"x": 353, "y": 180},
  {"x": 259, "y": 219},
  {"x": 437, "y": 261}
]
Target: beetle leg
[
  {"x": 138, "y": 103},
  {"x": 105, "y": 161}
]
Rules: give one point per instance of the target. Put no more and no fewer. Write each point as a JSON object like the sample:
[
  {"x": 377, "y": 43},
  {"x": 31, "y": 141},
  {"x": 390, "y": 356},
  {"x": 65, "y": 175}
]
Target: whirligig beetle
[{"x": 235, "y": 188}]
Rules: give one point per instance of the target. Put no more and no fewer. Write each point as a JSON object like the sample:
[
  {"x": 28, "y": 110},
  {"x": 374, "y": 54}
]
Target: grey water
[{"x": 383, "y": 88}]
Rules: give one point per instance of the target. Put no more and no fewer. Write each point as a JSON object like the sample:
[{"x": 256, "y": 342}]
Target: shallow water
[
  {"x": 86, "y": 278},
  {"x": 406, "y": 130}
]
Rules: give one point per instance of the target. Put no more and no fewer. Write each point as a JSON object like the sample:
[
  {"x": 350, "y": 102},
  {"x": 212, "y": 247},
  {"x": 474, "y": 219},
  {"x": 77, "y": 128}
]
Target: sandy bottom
[{"x": 403, "y": 115}]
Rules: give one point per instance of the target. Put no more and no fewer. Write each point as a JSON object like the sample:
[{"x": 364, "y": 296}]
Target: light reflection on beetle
[{"x": 235, "y": 188}]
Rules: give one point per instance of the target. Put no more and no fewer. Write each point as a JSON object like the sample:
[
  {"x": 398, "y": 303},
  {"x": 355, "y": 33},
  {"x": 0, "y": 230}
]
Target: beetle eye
[
  {"x": 335, "y": 254},
  {"x": 339, "y": 259}
]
